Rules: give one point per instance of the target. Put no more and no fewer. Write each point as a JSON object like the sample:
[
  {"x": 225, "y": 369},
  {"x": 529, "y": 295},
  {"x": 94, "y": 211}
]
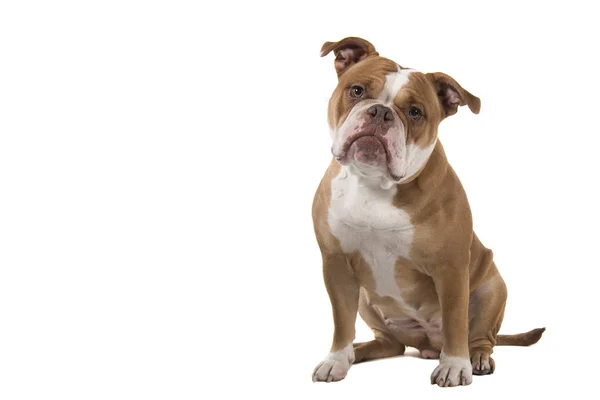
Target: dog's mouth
[{"x": 368, "y": 148}]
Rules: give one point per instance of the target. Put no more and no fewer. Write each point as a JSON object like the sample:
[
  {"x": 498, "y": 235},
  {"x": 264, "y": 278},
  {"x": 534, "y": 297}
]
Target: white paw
[
  {"x": 452, "y": 371},
  {"x": 335, "y": 366}
]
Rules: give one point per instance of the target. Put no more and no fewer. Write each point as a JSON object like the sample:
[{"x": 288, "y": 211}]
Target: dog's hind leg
[
  {"x": 486, "y": 310},
  {"x": 384, "y": 345},
  {"x": 381, "y": 347}
]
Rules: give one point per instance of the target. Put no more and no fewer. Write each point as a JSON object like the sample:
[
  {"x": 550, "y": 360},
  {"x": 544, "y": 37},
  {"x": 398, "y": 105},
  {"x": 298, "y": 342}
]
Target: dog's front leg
[
  {"x": 452, "y": 286},
  {"x": 343, "y": 289}
]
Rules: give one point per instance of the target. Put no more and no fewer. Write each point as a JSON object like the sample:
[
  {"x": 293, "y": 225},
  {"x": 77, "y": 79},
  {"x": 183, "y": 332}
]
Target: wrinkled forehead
[
  {"x": 371, "y": 71},
  {"x": 388, "y": 82}
]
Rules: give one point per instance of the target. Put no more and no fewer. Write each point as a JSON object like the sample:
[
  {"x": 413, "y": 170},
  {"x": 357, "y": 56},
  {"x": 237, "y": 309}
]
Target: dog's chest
[{"x": 364, "y": 219}]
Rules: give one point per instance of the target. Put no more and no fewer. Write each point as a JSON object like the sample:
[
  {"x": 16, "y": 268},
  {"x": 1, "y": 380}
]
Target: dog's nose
[{"x": 381, "y": 113}]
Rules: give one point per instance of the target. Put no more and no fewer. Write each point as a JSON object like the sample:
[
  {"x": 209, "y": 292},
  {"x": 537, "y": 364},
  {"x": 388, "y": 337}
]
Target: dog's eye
[
  {"x": 415, "y": 113},
  {"x": 357, "y": 91}
]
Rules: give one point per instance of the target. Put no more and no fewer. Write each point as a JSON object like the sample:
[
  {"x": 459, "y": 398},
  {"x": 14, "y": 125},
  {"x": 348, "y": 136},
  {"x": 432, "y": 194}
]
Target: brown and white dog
[{"x": 394, "y": 226}]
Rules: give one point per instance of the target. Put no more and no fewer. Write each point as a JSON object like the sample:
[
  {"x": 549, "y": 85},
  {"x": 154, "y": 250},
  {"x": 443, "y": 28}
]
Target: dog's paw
[
  {"x": 452, "y": 371},
  {"x": 482, "y": 363},
  {"x": 335, "y": 366}
]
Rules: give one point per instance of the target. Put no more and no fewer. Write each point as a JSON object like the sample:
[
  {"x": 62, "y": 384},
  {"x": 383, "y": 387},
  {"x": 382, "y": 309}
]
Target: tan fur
[{"x": 450, "y": 276}]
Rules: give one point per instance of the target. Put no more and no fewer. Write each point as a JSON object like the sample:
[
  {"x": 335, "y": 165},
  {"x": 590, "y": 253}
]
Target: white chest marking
[{"x": 363, "y": 218}]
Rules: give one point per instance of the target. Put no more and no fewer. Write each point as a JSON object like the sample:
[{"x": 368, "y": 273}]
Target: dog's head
[{"x": 384, "y": 118}]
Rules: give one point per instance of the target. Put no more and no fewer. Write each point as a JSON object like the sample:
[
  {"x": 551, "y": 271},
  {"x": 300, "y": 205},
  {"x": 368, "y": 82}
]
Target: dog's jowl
[{"x": 394, "y": 226}]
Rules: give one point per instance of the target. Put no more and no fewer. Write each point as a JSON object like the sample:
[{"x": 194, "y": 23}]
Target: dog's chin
[
  {"x": 367, "y": 158},
  {"x": 368, "y": 151}
]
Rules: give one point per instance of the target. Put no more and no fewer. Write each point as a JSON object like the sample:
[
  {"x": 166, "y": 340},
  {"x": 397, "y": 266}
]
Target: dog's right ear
[{"x": 348, "y": 52}]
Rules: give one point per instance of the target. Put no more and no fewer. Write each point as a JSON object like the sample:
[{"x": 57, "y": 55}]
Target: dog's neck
[
  {"x": 432, "y": 184},
  {"x": 432, "y": 173}
]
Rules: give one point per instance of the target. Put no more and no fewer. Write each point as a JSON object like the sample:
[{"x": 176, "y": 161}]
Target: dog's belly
[
  {"x": 378, "y": 236},
  {"x": 417, "y": 324},
  {"x": 407, "y": 306}
]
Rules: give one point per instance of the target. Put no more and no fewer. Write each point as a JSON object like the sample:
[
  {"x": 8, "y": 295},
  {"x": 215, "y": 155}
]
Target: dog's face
[{"x": 383, "y": 117}]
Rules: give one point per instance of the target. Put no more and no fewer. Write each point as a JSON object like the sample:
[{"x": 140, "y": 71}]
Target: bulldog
[{"x": 394, "y": 225}]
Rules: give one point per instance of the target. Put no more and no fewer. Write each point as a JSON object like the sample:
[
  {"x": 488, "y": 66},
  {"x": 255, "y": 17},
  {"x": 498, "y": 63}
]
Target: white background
[{"x": 157, "y": 167}]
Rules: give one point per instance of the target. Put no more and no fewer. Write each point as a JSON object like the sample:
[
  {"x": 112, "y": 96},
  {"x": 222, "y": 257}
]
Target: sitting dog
[{"x": 394, "y": 226}]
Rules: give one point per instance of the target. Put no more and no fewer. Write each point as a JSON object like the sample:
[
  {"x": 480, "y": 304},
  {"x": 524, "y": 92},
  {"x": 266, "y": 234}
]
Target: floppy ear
[
  {"x": 348, "y": 52},
  {"x": 452, "y": 95}
]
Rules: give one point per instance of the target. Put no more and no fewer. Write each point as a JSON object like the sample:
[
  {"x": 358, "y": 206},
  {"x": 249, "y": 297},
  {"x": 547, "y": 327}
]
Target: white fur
[
  {"x": 335, "y": 366},
  {"x": 416, "y": 158},
  {"x": 393, "y": 83},
  {"x": 363, "y": 218},
  {"x": 452, "y": 371}
]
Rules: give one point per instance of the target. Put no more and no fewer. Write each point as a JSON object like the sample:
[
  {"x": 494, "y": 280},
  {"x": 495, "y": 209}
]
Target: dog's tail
[{"x": 521, "y": 339}]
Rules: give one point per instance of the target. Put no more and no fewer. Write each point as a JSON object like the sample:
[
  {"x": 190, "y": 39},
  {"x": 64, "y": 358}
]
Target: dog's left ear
[
  {"x": 348, "y": 52},
  {"x": 452, "y": 95}
]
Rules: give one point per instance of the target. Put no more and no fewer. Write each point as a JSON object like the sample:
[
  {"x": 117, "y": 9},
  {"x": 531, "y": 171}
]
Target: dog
[{"x": 394, "y": 225}]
